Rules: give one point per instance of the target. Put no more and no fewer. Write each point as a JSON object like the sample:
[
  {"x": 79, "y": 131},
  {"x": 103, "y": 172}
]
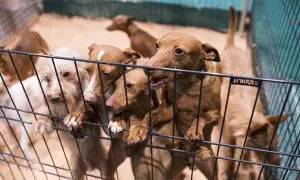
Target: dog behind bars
[
  {"x": 138, "y": 103},
  {"x": 15, "y": 96},
  {"x": 93, "y": 153},
  {"x": 240, "y": 105}
]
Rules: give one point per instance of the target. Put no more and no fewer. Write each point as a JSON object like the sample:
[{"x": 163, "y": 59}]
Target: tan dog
[
  {"x": 176, "y": 50},
  {"x": 109, "y": 73},
  {"x": 140, "y": 40},
  {"x": 240, "y": 105},
  {"x": 138, "y": 106},
  {"x": 30, "y": 42}
]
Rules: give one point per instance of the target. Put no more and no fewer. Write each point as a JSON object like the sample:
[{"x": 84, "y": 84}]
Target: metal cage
[
  {"x": 275, "y": 51},
  {"x": 282, "y": 171}
]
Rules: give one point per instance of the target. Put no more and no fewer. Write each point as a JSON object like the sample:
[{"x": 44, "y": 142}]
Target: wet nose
[
  {"x": 109, "y": 104},
  {"x": 55, "y": 99},
  {"x": 109, "y": 107}
]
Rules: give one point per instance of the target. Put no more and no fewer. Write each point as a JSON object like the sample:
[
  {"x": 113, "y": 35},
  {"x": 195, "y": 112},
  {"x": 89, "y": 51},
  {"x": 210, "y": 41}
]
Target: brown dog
[
  {"x": 140, "y": 40},
  {"x": 176, "y": 50},
  {"x": 109, "y": 73},
  {"x": 240, "y": 105},
  {"x": 138, "y": 106},
  {"x": 30, "y": 42}
]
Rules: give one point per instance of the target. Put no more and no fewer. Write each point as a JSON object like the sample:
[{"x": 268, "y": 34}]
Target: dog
[
  {"x": 139, "y": 102},
  {"x": 137, "y": 105},
  {"x": 190, "y": 54},
  {"x": 99, "y": 83},
  {"x": 16, "y": 97},
  {"x": 140, "y": 40},
  {"x": 239, "y": 108},
  {"x": 64, "y": 95},
  {"x": 30, "y": 42}
]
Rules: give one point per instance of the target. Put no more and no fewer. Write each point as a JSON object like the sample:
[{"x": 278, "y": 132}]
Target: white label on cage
[{"x": 246, "y": 82}]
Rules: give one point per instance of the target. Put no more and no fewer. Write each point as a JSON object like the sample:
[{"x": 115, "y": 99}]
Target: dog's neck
[{"x": 132, "y": 29}]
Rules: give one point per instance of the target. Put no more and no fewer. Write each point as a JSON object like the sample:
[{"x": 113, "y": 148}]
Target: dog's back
[{"x": 240, "y": 105}]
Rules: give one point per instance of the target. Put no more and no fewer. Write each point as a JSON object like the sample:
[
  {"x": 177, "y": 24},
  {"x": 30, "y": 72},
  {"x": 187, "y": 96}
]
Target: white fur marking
[
  {"x": 114, "y": 127},
  {"x": 100, "y": 54}
]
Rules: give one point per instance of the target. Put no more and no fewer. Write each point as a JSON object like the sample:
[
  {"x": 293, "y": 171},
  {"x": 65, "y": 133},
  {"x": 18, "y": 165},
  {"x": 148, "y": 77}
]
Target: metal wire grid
[
  {"x": 277, "y": 40},
  {"x": 287, "y": 86}
]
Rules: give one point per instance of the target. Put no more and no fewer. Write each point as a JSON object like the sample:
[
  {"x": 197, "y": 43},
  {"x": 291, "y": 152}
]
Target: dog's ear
[
  {"x": 131, "y": 56},
  {"x": 211, "y": 53},
  {"x": 274, "y": 119},
  {"x": 130, "y": 18},
  {"x": 256, "y": 128}
]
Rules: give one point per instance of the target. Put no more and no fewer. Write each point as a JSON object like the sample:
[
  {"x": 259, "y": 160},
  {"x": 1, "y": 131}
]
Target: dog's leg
[
  {"x": 193, "y": 133},
  {"x": 117, "y": 123},
  {"x": 225, "y": 166},
  {"x": 74, "y": 119},
  {"x": 139, "y": 131},
  {"x": 77, "y": 167},
  {"x": 117, "y": 155}
]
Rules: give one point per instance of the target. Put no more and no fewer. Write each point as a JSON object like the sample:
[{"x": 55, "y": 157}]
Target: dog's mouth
[{"x": 158, "y": 82}]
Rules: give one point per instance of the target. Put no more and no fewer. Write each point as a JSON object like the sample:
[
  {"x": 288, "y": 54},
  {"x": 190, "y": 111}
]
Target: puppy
[
  {"x": 140, "y": 40},
  {"x": 138, "y": 106},
  {"x": 99, "y": 83},
  {"x": 239, "y": 108},
  {"x": 30, "y": 42}
]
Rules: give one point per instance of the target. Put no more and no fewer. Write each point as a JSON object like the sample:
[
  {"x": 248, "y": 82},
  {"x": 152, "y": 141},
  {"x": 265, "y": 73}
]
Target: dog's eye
[
  {"x": 179, "y": 52},
  {"x": 128, "y": 85},
  {"x": 48, "y": 79},
  {"x": 66, "y": 74},
  {"x": 156, "y": 45},
  {"x": 105, "y": 73}
]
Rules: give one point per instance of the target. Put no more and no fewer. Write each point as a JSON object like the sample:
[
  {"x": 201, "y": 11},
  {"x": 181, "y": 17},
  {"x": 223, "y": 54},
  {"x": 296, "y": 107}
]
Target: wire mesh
[{"x": 34, "y": 158}]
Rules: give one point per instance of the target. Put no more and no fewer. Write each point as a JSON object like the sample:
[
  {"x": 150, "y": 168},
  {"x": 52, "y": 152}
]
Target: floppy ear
[
  {"x": 258, "y": 128},
  {"x": 211, "y": 53},
  {"x": 274, "y": 119},
  {"x": 131, "y": 55},
  {"x": 131, "y": 18}
]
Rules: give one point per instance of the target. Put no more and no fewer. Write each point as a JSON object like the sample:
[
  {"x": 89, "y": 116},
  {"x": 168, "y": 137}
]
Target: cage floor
[{"x": 78, "y": 33}]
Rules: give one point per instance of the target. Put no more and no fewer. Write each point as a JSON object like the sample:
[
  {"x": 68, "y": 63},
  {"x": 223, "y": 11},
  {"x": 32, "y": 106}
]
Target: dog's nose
[
  {"x": 109, "y": 107},
  {"x": 55, "y": 99}
]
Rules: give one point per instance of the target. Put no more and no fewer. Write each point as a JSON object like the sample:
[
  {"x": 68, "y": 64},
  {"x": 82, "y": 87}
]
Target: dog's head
[
  {"x": 120, "y": 22},
  {"x": 180, "y": 51},
  {"x": 136, "y": 85},
  {"x": 62, "y": 85},
  {"x": 260, "y": 135},
  {"x": 109, "y": 73}
]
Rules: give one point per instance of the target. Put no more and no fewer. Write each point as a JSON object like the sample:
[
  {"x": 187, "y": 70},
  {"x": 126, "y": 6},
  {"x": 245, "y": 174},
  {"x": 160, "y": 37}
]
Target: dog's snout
[
  {"x": 55, "y": 99},
  {"x": 109, "y": 107}
]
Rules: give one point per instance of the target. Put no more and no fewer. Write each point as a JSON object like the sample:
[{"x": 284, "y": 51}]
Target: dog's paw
[
  {"x": 192, "y": 135},
  {"x": 74, "y": 120},
  {"x": 204, "y": 153},
  {"x": 115, "y": 126},
  {"x": 137, "y": 133},
  {"x": 42, "y": 127}
]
